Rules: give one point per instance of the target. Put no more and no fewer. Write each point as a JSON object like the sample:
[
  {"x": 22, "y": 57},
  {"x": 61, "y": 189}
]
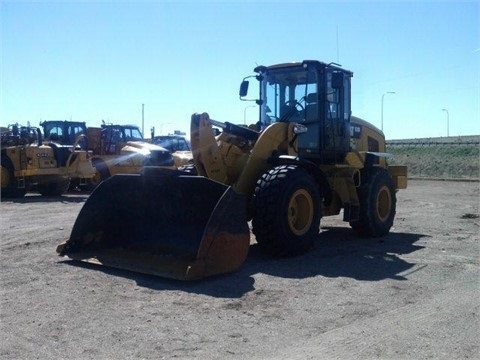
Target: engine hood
[{"x": 142, "y": 147}]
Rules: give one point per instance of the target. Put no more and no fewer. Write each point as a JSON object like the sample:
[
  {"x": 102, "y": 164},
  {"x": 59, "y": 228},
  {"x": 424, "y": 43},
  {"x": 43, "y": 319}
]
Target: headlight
[{"x": 299, "y": 129}]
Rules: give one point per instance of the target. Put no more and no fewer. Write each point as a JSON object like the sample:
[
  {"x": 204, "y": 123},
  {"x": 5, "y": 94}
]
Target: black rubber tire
[
  {"x": 377, "y": 204},
  {"x": 54, "y": 188},
  {"x": 287, "y": 211},
  {"x": 101, "y": 174},
  {"x": 9, "y": 187}
]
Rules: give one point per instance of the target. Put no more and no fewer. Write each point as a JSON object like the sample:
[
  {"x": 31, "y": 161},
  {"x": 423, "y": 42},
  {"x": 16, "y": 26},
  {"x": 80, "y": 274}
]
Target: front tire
[
  {"x": 377, "y": 204},
  {"x": 54, "y": 188},
  {"x": 287, "y": 213}
]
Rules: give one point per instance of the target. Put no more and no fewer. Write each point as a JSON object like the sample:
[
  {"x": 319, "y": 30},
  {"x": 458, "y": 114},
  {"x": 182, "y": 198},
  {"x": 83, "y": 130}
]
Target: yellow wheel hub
[
  {"x": 384, "y": 203},
  {"x": 300, "y": 212}
]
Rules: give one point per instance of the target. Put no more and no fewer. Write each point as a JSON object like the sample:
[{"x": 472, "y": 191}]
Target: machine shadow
[{"x": 338, "y": 252}]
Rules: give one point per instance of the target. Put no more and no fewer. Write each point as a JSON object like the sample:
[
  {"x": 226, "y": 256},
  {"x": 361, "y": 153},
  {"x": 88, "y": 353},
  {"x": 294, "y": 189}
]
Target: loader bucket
[{"x": 162, "y": 222}]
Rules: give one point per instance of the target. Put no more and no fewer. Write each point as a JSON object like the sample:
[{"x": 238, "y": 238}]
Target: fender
[
  {"x": 311, "y": 168},
  {"x": 372, "y": 157}
]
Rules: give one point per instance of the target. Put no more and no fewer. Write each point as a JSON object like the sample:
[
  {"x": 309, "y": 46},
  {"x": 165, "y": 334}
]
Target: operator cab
[
  {"x": 114, "y": 137},
  {"x": 311, "y": 93},
  {"x": 65, "y": 132}
]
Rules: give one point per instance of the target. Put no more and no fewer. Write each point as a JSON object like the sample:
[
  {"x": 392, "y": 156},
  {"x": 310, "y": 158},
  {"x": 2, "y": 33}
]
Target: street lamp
[
  {"x": 448, "y": 122},
  {"x": 388, "y": 92},
  {"x": 245, "y": 113},
  {"x": 143, "y": 120}
]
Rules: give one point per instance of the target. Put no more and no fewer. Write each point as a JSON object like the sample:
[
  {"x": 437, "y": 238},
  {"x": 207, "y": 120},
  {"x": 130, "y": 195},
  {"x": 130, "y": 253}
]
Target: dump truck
[
  {"x": 28, "y": 162},
  {"x": 307, "y": 157},
  {"x": 115, "y": 149}
]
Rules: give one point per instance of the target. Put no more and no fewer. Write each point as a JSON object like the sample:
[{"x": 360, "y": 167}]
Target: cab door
[{"x": 336, "y": 135}]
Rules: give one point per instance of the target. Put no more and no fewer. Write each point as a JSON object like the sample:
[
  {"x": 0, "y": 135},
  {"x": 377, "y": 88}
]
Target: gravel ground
[{"x": 413, "y": 294}]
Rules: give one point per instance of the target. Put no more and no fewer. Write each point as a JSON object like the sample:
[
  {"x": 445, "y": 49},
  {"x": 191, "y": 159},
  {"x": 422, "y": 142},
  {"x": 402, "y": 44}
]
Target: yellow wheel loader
[
  {"x": 29, "y": 162},
  {"x": 306, "y": 158}
]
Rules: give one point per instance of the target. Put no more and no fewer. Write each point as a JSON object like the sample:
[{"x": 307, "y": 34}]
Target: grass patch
[{"x": 438, "y": 161}]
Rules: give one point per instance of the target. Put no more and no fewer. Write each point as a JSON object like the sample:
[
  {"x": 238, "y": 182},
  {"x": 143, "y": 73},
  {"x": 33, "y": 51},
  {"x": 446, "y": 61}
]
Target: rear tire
[
  {"x": 54, "y": 188},
  {"x": 101, "y": 173},
  {"x": 377, "y": 204},
  {"x": 9, "y": 188},
  {"x": 287, "y": 211}
]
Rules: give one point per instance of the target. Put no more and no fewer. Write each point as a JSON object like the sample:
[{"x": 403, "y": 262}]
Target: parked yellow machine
[
  {"x": 178, "y": 146},
  {"x": 28, "y": 161},
  {"x": 115, "y": 149},
  {"x": 307, "y": 157},
  {"x": 121, "y": 149}
]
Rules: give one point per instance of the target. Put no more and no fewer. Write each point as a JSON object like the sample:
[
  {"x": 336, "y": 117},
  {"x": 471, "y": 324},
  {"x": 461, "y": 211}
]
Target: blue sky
[{"x": 94, "y": 60}]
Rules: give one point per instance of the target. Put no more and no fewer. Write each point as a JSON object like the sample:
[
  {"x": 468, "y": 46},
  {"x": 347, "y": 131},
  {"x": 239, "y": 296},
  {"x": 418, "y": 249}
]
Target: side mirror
[
  {"x": 243, "y": 88},
  {"x": 337, "y": 80}
]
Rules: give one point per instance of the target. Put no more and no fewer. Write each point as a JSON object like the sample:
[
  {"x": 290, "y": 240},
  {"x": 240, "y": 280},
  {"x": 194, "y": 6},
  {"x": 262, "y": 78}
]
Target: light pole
[
  {"x": 448, "y": 122},
  {"x": 388, "y": 92},
  {"x": 143, "y": 120},
  {"x": 245, "y": 113}
]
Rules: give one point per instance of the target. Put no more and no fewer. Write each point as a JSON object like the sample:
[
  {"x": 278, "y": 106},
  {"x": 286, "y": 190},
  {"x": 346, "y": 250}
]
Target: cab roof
[{"x": 315, "y": 63}]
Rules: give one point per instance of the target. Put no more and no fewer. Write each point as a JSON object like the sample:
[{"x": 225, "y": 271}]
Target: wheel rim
[
  {"x": 300, "y": 212},
  {"x": 384, "y": 203}
]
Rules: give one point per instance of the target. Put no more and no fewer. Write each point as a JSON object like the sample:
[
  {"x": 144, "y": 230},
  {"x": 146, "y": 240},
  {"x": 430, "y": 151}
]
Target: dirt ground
[{"x": 413, "y": 294}]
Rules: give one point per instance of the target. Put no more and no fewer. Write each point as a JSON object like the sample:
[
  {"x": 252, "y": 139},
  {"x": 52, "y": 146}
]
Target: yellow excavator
[{"x": 306, "y": 157}]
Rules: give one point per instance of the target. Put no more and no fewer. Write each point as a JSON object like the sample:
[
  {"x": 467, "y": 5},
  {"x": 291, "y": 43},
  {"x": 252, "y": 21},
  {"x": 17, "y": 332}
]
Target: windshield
[
  {"x": 53, "y": 130},
  {"x": 288, "y": 95},
  {"x": 133, "y": 134},
  {"x": 172, "y": 143},
  {"x": 64, "y": 132}
]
